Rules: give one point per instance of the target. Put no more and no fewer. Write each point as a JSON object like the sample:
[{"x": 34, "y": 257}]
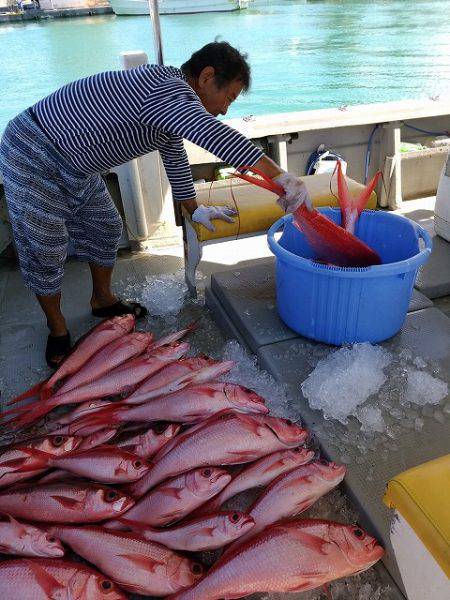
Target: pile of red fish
[{"x": 134, "y": 478}]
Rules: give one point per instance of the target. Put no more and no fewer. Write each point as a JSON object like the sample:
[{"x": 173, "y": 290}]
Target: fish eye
[
  {"x": 207, "y": 472},
  {"x": 197, "y": 569},
  {"x": 51, "y": 539},
  {"x": 289, "y": 422},
  {"x": 58, "y": 440},
  {"x": 235, "y": 517},
  {"x": 111, "y": 495},
  {"x": 137, "y": 464},
  {"x": 298, "y": 449},
  {"x": 106, "y": 585},
  {"x": 359, "y": 533}
]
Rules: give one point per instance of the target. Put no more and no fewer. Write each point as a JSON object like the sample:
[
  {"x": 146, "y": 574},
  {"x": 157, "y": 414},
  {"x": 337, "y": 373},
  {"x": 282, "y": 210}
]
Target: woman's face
[{"x": 215, "y": 99}]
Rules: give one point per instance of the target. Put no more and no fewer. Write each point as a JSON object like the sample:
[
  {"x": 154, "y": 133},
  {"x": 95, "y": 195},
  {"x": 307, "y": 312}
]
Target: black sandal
[
  {"x": 57, "y": 348},
  {"x": 121, "y": 307}
]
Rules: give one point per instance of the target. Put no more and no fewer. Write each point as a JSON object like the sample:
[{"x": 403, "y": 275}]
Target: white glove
[
  {"x": 204, "y": 215},
  {"x": 295, "y": 193}
]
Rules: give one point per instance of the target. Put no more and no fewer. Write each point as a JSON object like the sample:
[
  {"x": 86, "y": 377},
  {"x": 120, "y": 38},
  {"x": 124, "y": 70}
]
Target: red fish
[
  {"x": 102, "y": 334},
  {"x": 227, "y": 438},
  {"x": 121, "y": 380},
  {"x": 105, "y": 464},
  {"x": 171, "y": 338},
  {"x": 64, "y": 502},
  {"x": 147, "y": 443},
  {"x": 291, "y": 494},
  {"x": 52, "y": 579},
  {"x": 294, "y": 556},
  {"x": 23, "y": 539},
  {"x": 174, "y": 371},
  {"x": 137, "y": 565},
  {"x": 16, "y": 464},
  {"x": 259, "y": 474},
  {"x": 147, "y": 391},
  {"x": 108, "y": 358},
  {"x": 198, "y": 535},
  {"x": 97, "y": 439},
  {"x": 189, "y": 405},
  {"x": 178, "y": 497}
]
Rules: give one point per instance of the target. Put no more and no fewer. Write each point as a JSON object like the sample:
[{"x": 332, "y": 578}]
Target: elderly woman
[{"x": 52, "y": 155}]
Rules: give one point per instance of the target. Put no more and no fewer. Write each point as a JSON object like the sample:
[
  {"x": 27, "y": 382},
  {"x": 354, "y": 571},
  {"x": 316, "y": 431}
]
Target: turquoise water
[{"x": 304, "y": 54}]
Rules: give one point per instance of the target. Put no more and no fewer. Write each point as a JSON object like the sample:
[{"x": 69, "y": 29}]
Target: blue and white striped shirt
[{"x": 110, "y": 118}]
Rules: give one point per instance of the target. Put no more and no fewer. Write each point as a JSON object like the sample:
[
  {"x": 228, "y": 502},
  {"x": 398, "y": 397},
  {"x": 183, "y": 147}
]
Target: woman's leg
[{"x": 96, "y": 229}]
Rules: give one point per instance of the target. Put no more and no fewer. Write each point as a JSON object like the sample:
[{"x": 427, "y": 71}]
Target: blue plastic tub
[{"x": 339, "y": 305}]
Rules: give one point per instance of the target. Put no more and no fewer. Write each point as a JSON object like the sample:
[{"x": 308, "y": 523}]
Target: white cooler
[
  {"x": 442, "y": 206},
  {"x": 420, "y": 531}
]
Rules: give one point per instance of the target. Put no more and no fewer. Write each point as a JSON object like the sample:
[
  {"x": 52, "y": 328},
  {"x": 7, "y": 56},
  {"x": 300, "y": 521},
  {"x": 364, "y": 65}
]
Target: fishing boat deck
[{"x": 240, "y": 294}]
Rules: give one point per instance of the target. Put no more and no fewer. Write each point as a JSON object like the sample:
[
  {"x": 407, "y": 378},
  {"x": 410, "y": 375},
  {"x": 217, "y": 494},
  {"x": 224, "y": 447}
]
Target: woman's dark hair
[{"x": 228, "y": 63}]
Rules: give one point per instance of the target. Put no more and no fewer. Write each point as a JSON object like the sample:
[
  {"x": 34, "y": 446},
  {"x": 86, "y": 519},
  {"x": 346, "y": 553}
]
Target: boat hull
[{"x": 173, "y": 7}]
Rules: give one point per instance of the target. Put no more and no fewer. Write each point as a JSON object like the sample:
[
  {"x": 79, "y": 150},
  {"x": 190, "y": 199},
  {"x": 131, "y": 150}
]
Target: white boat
[{"x": 173, "y": 7}]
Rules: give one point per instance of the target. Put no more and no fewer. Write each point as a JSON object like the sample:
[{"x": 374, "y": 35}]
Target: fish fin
[
  {"x": 207, "y": 531},
  {"x": 304, "y": 505},
  {"x": 146, "y": 562},
  {"x": 31, "y": 393},
  {"x": 135, "y": 526},
  {"x": 50, "y": 586},
  {"x": 172, "y": 515},
  {"x": 19, "y": 529},
  {"x": 313, "y": 542},
  {"x": 247, "y": 455},
  {"x": 67, "y": 502},
  {"x": 174, "y": 492},
  {"x": 308, "y": 582},
  {"x": 327, "y": 591}
]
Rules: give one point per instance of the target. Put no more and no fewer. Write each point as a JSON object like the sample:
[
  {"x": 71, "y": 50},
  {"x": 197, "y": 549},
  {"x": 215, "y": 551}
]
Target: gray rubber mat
[
  {"x": 426, "y": 332},
  {"x": 244, "y": 305},
  {"x": 249, "y": 294}
]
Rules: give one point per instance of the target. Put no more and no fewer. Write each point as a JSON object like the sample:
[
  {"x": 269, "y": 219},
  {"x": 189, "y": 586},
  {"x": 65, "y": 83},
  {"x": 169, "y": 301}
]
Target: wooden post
[{"x": 390, "y": 193}]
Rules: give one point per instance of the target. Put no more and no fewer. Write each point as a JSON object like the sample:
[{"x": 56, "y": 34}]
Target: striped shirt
[{"x": 110, "y": 118}]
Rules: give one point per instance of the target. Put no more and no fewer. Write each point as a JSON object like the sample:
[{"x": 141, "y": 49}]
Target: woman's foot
[
  {"x": 119, "y": 307},
  {"x": 57, "y": 349}
]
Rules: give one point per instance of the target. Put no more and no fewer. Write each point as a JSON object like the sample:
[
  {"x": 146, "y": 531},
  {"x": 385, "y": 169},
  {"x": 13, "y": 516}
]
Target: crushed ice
[
  {"x": 345, "y": 379},
  {"x": 164, "y": 294},
  {"x": 423, "y": 388}
]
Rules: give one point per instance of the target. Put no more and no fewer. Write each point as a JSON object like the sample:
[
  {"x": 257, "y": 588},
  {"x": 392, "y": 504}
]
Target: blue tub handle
[{"x": 423, "y": 234}]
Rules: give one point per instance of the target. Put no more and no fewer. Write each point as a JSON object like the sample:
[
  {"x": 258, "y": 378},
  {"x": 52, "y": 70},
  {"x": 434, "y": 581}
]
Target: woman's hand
[
  {"x": 295, "y": 193},
  {"x": 205, "y": 214}
]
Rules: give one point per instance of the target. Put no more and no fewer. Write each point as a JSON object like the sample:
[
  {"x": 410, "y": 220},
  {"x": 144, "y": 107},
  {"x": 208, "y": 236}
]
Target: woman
[{"x": 52, "y": 155}]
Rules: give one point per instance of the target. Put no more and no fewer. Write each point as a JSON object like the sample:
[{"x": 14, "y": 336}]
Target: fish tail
[
  {"x": 26, "y": 416},
  {"x": 105, "y": 416},
  {"x": 18, "y": 410},
  {"x": 34, "y": 453},
  {"x": 31, "y": 393},
  {"x": 345, "y": 200},
  {"x": 363, "y": 198}
]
